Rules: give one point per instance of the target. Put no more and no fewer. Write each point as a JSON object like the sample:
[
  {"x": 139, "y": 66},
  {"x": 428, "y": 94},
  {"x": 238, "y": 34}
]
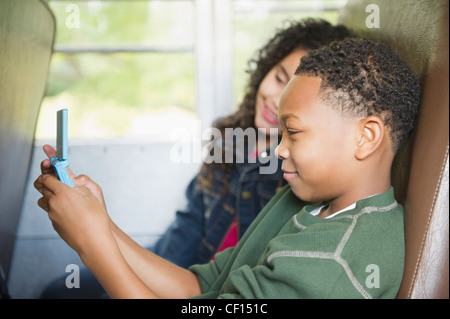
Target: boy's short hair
[{"x": 362, "y": 78}]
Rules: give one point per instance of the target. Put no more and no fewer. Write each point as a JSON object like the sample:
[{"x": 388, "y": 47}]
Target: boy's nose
[{"x": 281, "y": 152}]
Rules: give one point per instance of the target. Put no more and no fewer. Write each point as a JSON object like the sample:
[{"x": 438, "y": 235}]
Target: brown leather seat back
[{"x": 418, "y": 30}]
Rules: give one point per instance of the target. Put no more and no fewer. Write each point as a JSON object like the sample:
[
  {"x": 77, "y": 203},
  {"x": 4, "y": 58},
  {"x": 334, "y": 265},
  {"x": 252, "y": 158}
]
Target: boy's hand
[
  {"x": 47, "y": 169},
  {"x": 76, "y": 213},
  {"x": 82, "y": 180},
  {"x": 46, "y": 166},
  {"x": 70, "y": 208}
]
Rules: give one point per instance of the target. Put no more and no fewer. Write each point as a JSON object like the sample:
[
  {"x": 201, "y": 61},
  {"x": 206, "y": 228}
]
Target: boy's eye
[{"x": 290, "y": 132}]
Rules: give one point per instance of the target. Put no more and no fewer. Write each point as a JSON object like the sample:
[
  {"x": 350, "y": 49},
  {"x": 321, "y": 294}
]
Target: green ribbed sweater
[{"x": 289, "y": 253}]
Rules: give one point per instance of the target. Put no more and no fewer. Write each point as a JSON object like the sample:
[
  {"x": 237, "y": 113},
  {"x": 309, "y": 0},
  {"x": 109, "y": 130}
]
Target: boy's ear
[{"x": 371, "y": 134}]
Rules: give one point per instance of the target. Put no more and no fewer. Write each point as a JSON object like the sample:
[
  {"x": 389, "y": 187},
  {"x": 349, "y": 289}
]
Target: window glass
[
  {"x": 122, "y": 68},
  {"x": 157, "y": 23},
  {"x": 127, "y": 68},
  {"x": 118, "y": 95}
]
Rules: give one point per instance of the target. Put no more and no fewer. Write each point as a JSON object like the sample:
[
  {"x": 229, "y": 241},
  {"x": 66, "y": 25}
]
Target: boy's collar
[{"x": 379, "y": 200}]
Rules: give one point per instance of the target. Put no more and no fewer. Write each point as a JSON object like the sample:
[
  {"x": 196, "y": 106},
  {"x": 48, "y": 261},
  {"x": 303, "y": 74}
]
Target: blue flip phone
[{"x": 61, "y": 162}]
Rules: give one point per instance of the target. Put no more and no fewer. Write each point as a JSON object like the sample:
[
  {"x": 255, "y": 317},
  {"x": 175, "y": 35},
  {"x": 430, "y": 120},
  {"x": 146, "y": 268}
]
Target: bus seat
[
  {"x": 26, "y": 43},
  {"x": 418, "y": 30}
]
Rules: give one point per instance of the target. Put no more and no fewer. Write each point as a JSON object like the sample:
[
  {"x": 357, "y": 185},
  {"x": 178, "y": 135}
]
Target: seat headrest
[{"x": 418, "y": 31}]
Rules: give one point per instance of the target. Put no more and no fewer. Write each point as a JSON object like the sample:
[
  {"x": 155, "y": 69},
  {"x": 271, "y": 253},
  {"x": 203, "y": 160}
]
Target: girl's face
[{"x": 271, "y": 88}]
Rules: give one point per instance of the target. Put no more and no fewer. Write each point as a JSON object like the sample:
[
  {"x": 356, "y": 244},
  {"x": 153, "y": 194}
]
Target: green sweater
[{"x": 289, "y": 253}]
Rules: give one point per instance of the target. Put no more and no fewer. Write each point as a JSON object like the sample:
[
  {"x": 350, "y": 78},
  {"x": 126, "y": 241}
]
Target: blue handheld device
[{"x": 61, "y": 162}]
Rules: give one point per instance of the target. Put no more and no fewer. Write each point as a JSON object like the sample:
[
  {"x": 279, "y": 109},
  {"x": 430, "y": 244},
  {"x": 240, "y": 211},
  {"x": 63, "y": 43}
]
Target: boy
[{"x": 343, "y": 116}]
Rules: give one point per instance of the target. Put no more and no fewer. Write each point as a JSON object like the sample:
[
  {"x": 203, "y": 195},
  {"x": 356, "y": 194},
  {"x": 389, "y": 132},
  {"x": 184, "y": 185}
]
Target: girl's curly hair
[{"x": 308, "y": 34}]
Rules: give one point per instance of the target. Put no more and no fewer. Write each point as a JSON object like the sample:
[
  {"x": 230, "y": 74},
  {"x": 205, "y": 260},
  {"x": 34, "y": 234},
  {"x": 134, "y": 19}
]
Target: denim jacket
[{"x": 198, "y": 230}]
